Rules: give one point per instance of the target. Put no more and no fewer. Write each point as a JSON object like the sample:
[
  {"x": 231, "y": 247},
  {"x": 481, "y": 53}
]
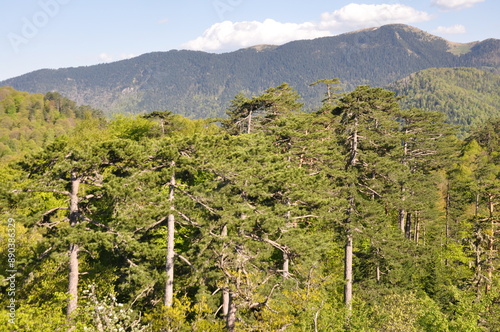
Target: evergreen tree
[{"x": 369, "y": 137}]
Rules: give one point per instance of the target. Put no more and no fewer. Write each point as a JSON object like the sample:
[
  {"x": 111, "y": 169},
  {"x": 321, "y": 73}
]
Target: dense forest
[
  {"x": 29, "y": 121},
  {"x": 359, "y": 216},
  {"x": 468, "y": 96}
]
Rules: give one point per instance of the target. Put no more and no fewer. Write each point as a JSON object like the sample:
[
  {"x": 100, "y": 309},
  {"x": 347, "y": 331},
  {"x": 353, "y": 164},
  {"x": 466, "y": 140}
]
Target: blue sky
[{"x": 37, "y": 34}]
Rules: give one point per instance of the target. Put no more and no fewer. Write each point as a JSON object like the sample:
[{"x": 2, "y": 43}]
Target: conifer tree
[
  {"x": 368, "y": 135},
  {"x": 247, "y": 115}
]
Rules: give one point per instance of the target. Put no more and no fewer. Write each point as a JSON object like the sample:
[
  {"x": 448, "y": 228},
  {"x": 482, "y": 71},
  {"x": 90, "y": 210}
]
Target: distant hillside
[
  {"x": 199, "y": 84},
  {"x": 468, "y": 96},
  {"x": 30, "y": 121}
]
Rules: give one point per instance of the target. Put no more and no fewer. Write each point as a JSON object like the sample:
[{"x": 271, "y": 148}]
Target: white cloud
[
  {"x": 364, "y": 16},
  {"x": 454, "y": 29},
  {"x": 124, "y": 56},
  {"x": 227, "y": 35},
  {"x": 230, "y": 35},
  {"x": 455, "y": 4},
  {"x": 105, "y": 57}
]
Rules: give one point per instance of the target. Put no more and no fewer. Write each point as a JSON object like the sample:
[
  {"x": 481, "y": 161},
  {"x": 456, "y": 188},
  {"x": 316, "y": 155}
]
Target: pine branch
[
  {"x": 197, "y": 200},
  {"x": 55, "y": 191},
  {"x": 184, "y": 259},
  {"x": 153, "y": 225},
  {"x": 193, "y": 223}
]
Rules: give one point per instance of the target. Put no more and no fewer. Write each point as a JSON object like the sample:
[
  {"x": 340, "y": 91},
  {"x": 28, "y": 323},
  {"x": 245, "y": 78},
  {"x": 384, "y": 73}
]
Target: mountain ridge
[{"x": 200, "y": 84}]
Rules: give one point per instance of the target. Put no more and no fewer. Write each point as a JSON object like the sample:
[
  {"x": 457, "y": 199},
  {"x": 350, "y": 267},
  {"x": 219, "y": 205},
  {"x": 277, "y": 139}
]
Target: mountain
[
  {"x": 199, "y": 84},
  {"x": 468, "y": 96}
]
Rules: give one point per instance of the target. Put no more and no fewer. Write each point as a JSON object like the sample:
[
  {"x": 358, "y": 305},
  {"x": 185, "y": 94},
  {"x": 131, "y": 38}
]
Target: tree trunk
[
  {"x": 73, "y": 279},
  {"x": 402, "y": 220},
  {"x": 448, "y": 198},
  {"x": 169, "y": 286},
  {"x": 231, "y": 315},
  {"x": 225, "y": 302},
  {"x": 348, "y": 272},
  {"x": 249, "y": 123},
  {"x": 225, "y": 290},
  {"x": 476, "y": 212},
  {"x": 416, "y": 235},
  {"x": 408, "y": 226},
  {"x": 377, "y": 271},
  {"x": 354, "y": 145},
  {"x": 348, "y": 250},
  {"x": 286, "y": 262},
  {"x": 491, "y": 240},
  {"x": 73, "y": 248}
]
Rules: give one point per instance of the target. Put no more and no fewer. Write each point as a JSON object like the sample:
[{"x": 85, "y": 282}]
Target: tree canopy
[{"x": 360, "y": 215}]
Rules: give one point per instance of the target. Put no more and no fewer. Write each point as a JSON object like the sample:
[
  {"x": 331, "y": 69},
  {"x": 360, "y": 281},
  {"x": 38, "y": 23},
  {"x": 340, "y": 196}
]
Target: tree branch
[
  {"x": 197, "y": 200},
  {"x": 27, "y": 190}
]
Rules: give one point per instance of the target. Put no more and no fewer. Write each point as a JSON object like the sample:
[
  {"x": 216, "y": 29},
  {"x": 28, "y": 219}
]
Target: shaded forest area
[{"x": 359, "y": 216}]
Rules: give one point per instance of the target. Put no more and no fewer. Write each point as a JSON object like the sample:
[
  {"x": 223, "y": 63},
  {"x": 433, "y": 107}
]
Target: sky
[{"x": 37, "y": 34}]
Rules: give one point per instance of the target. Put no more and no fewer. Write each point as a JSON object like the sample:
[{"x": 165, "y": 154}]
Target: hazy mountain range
[{"x": 199, "y": 84}]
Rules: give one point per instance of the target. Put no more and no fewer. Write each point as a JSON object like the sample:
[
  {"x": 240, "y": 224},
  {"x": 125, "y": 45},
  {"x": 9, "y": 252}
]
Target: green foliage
[
  {"x": 31, "y": 121},
  {"x": 467, "y": 96},
  {"x": 261, "y": 219}
]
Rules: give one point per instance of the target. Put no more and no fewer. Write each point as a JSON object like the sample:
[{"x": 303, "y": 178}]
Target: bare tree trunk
[
  {"x": 402, "y": 220},
  {"x": 348, "y": 250},
  {"x": 249, "y": 123},
  {"x": 348, "y": 272},
  {"x": 354, "y": 145},
  {"x": 447, "y": 227},
  {"x": 225, "y": 302},
  {"x": 73, "y": 248},
  {"x": 286, "y": 263},
  {"x": 225, "y": 290},
  {"x": 491, "y": 240},
  {"x": 377, "y": 271},
  {"x": 448, "y": 199},
  {"x": 169, "y": 286},
  {"x": 73, "y": 279},
  {"x": 416, "y": 235},
  {"x": 231, "y": 316}
]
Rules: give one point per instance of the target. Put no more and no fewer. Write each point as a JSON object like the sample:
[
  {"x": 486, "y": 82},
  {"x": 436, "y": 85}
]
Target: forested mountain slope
[
  {"x": 199, "y": 84},
  {"x": 468, "y": 96},
  {"x": 29, "y": 121}
]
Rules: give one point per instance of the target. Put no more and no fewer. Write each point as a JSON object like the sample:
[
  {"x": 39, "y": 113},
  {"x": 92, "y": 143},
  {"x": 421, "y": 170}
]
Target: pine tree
[
  {"x": 369, "y": 137},
  {"x": 247, "y": 115}
]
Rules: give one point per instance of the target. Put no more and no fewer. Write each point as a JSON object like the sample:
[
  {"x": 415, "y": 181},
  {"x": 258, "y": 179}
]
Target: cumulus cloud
[
  {"x": 455, "y": 4},
  {"x": 227, "y": 35},
  {"x": 451, "y": 30},
  {"x": 363, "y": 16}
]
